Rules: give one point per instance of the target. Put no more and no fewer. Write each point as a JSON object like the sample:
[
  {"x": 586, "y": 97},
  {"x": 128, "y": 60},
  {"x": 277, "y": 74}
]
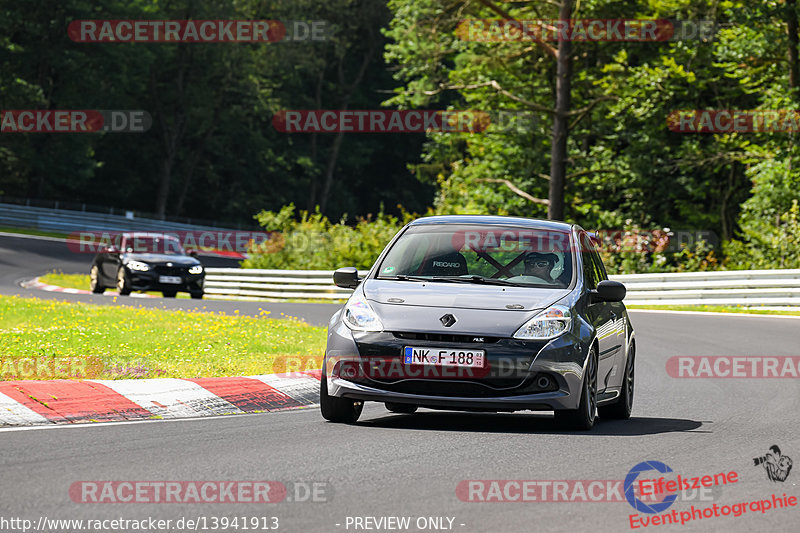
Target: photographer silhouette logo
[{"x": 777, "y": 466}]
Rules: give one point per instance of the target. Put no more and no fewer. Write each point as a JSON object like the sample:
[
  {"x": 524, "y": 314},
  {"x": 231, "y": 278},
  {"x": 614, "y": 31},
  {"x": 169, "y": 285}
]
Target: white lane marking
[
  {"x": 710, "y": 313},
  {"x": 165, "y": 421},
  {"x": 34, "y": 237},
  {"x": 304, "y": 389},
  {"x": 14, "y": 413},
  {"x": 171, "y": 397}
]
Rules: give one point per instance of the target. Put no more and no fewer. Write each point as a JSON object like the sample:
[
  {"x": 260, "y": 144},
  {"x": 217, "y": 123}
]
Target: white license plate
[
  {"x": 170, "y": 279},
  {"x": 417, "y": 355}
]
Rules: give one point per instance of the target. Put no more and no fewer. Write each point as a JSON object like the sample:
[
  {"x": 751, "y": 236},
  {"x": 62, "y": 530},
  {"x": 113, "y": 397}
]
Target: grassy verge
[
  {"x": 36, "y": 232},
  {"x": 81, "y": 281},
  {"x": 713, "y": 309},
  {"x": 68, "y": 281},
  {"x": 124, "y": 342}
]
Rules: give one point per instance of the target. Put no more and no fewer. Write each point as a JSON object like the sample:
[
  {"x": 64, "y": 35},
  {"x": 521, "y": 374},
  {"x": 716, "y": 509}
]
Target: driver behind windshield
[{"x": 540, "y": 265}]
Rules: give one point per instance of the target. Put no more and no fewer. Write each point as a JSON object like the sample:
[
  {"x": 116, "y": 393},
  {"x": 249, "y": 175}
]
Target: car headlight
[
  {"x": 548, "y": 324},
  {"x": 196, "y": 269},
  {"x": 138, "y": 265},
  {"x": 359, "y": 315}
]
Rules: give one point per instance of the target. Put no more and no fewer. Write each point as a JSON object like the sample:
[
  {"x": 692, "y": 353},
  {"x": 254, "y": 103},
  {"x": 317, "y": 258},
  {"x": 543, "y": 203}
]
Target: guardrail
[
  {"x": 258, "y": 284},
  {"x": 777, "y": 288},
  {"x": 68, "y": 221}
]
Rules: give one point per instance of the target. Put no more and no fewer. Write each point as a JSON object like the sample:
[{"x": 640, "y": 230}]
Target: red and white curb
[
  {"x": 36, "y": 284},
  {"x": 28, "y": 403}
]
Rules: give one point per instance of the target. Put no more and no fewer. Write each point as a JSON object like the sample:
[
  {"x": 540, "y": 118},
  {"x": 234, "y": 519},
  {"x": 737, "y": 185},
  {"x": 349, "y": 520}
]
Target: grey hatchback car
[{"x": 482, "y": 313}]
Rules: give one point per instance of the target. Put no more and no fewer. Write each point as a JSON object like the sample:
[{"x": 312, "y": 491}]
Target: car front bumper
[
  {"x": 149, "y": 281},
  {"x": 510, "y": 383}
]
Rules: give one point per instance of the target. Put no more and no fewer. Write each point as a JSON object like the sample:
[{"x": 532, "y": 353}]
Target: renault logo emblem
[{"x": 447, "y": 320}]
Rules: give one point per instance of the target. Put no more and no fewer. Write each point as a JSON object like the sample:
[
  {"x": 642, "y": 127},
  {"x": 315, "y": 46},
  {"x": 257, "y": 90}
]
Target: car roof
[{"x": 494, "y": 220}]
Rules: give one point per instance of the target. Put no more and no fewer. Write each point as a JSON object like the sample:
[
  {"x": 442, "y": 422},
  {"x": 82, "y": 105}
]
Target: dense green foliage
[
  {"x": 315, "y": 243},
  {"x": 213, "y": 149}
]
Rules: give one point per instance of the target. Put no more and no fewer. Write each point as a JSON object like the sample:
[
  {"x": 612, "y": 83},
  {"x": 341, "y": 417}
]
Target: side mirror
[
  {"x": 346, "y": 277},
  {"x": 609, "y": 291},
  {"x": 192, "y": 253},
  {"x": 112, "y": 249}
]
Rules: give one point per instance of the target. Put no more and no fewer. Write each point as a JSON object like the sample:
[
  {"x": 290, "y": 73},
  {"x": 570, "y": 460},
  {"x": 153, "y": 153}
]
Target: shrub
[{"x": 313, "y": 242}]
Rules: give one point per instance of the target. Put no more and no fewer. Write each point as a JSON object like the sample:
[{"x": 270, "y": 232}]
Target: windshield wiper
[
  {"x": 404, "y": 277},
  {"x": 457, "y": 279},
  {"x": 489, "y": 281}
]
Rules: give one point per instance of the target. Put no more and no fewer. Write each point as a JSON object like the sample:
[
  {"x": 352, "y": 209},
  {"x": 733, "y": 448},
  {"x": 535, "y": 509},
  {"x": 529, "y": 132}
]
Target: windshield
[
  {"x": 150, "y": 244},
  {"x": 480, "y": 254}
]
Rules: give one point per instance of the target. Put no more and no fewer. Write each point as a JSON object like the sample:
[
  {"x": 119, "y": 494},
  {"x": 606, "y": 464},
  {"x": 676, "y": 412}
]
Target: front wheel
[
  {"x": 621, "y": 408},
  {"x": 341, "y": 410},
  {"x": 94, "y": 281},
  {"x": 123, "y": 282},
  {"x": 582, "y": 418},
  {"x": 197, "y": 295}
]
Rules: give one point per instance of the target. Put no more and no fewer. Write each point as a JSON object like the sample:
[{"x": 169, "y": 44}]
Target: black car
[
  {"x": 147, "y": 262},
  {"x": 482, "y": 313}
]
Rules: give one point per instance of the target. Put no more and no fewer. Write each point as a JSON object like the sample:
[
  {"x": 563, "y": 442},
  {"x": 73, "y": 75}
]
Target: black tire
[
  {"x": 340, "y": 410},
  {"x": 94, "y": 281},
  {"x": 402, "y": 408},
  {"x": 622, "y": 407},
  {"x": 583, "y": 418},
  {"x": 123, "y": 282},
  {"x": 196, "y": 295},
  {"x": 169, "y": 294}
]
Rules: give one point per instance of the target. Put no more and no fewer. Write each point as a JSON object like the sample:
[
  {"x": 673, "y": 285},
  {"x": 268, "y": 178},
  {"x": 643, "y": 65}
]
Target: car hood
[
  {"x": 478, "y": 309},
  {"x": 160, "y": 259},
  {"x": 460, "y": 296}
]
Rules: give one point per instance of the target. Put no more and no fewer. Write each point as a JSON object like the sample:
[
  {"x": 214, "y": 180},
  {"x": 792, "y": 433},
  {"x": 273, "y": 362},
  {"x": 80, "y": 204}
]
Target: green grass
[
  {"x": 81, "y": 281},
  {"x": 713, "y": 309},
  {"x": 30, "y": 231},
  {"x": 122, "y": 342},
  {"x": 68, "y": 281}
]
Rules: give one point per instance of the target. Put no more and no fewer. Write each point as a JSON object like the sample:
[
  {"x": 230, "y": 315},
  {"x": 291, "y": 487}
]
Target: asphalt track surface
[{"x": 410, "y": 465}]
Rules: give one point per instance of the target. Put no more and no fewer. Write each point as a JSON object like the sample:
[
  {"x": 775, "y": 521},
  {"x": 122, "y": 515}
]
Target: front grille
[
  {"x": 444, "y": 337},
  {"x": 170, "y": 271}
]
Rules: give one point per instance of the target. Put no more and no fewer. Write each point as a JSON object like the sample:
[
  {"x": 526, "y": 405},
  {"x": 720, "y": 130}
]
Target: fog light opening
[{"x": 543, "y": 382}]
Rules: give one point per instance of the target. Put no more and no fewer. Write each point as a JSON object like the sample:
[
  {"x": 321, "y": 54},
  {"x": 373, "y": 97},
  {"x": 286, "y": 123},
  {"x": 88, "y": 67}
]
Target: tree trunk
[
  {"x": 345, "y": 104},
  {"x": 312, "y": 194},
  {"x": 558, "y": 155},
  {"x": 170, "y": 136}
]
